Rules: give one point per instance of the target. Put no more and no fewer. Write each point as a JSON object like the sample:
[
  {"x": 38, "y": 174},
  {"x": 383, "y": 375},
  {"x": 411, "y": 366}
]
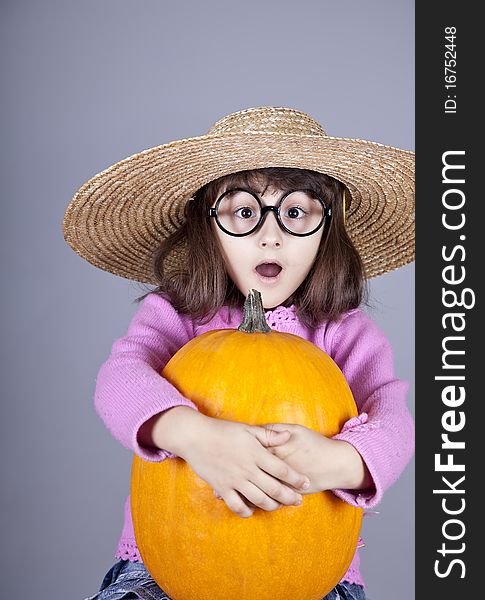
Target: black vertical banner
[{"x": 450, "y": 455}]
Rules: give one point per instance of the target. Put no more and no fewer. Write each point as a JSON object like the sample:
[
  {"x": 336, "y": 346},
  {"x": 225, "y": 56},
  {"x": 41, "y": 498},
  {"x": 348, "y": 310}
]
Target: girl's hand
[
  {"x": 329, "y": 464},
  {"x": 233, "y": 458}
]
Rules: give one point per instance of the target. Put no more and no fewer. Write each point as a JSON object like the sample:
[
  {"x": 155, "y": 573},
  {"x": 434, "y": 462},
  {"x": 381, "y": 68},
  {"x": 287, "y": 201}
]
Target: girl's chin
[
  {"x": 272, "y": 294},
  {"x": 271, "y": 301}
]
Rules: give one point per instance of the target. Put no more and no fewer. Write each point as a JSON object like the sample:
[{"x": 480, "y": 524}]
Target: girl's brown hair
[{"x": 335, "y": 283}]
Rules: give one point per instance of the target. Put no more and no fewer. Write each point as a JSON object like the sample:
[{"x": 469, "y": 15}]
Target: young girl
[{"x": 265, "y": 200}]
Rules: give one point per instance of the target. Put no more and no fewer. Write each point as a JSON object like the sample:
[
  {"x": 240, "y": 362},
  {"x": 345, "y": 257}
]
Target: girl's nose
[{"x": 270, "y": 232}]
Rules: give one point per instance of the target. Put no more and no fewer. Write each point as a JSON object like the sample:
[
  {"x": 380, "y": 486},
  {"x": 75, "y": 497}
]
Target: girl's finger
[
  {"x": 257, "y": 497},
  {"x": 279, "y": 469},
  {"x": 278, "y": 426},
  {"x": 236, "y": 504},
  {"x": 268, "y": 437},
  {"x": 275, "y": 489}
]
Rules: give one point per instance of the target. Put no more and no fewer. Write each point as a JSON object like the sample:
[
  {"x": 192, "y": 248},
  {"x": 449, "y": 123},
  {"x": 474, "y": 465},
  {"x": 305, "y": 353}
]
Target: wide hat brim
[{"x": 117, "y": 219}]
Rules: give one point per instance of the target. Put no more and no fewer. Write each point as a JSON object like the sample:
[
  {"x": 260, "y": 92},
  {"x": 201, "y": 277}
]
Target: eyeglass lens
[{"x": 239, "y": 212}]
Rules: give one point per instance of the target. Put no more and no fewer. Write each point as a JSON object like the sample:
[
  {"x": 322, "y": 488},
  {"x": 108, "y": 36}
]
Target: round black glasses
[{"x": 240, "y": 212}]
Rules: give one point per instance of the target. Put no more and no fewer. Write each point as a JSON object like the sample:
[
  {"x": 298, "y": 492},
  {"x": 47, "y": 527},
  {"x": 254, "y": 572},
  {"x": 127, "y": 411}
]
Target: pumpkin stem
[{"x": 254, "y": 319}]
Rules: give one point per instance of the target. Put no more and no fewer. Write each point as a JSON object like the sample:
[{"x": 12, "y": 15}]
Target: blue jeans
[{"x": 128, "y": 580}]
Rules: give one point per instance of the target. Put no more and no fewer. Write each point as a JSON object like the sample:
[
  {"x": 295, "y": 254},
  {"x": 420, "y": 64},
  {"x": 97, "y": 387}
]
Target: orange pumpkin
[{"x": 191, "y": 543}]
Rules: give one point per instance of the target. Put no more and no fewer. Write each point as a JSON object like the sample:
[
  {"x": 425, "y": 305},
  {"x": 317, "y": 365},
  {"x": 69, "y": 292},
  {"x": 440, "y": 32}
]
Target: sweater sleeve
[
  {"x": 129, "y": 388},
  {"x": 383, "y": 432}
]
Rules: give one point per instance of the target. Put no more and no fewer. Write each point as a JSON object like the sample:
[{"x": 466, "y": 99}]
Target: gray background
[{"x": 86, "y": 84}]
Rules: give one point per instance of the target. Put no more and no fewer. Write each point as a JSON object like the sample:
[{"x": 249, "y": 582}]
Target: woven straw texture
[{"x": 117, "y": 219}]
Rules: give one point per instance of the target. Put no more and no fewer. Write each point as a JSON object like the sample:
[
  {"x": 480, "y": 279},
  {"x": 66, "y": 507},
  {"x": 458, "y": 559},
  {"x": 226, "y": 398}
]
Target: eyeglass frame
[{"x": 327, "y": 212}]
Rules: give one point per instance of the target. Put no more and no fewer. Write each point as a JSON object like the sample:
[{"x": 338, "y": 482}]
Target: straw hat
[{"x": 116, "y": 219}]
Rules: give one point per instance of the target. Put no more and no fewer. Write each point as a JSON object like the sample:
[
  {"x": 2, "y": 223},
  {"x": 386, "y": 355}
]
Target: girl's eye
[
  {"x": 296, "y": 212},
  {"x": 245, "y": 212}
]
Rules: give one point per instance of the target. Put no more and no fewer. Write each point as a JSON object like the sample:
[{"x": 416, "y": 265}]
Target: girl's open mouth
[{"x": 269, "y": 271}]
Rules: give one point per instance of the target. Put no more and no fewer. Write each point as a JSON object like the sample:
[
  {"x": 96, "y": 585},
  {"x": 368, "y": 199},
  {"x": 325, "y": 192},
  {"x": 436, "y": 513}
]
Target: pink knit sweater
[{"x": 129, "y": 390}]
